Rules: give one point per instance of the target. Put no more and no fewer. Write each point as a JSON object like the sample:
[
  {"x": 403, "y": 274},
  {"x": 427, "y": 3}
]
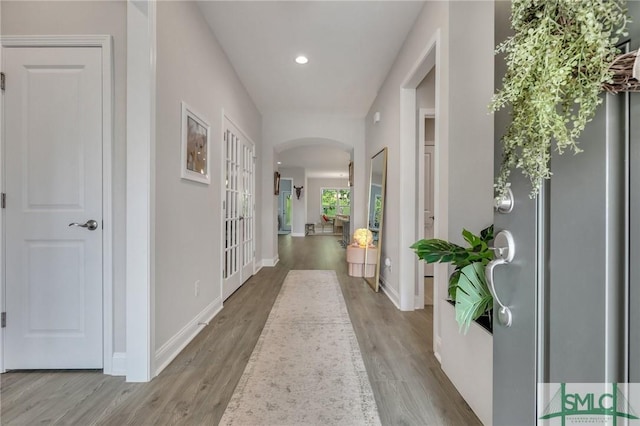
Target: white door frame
[
  {"x": 105, "y": 43},
  {"x": 409, "y": 159},
  {"x": 141, "y": 141}
]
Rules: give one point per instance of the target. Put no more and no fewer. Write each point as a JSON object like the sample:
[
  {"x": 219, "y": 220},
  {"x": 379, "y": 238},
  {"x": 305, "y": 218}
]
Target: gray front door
[{"x": 571, "y": 282}]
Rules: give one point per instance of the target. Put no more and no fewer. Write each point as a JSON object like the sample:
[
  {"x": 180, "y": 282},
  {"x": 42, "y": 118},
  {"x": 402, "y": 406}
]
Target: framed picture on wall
[
  {"x": 195, "y": 147},
  {"x": 276, "y": 183},
  {"x": 350, "y": 173}
]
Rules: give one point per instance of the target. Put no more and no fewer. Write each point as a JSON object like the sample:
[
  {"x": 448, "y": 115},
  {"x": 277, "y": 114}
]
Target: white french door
[
  {"x": 53, "y": 178},
  {"x": 239, "y": 209}
]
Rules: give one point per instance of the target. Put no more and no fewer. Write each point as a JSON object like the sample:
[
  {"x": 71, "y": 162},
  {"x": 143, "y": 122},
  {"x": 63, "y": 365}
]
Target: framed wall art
[{"x": 195, "y": 147}]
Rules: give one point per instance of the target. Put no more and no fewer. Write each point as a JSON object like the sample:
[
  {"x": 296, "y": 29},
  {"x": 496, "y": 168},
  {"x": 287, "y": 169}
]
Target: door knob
[
  {"x": 505, "y": 203},
  {"x": 504, "y": 249},
  {"x": 91, "y": 225}
]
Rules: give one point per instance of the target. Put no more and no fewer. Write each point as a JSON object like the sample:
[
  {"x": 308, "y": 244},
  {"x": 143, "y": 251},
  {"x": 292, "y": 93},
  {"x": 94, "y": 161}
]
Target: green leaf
[
  {"x": 487, "y": 234},
  {"x": 472, "y": 296},
  {"x": 453, "y": 285},
  {"x": 436, "y": 250},
  {"x": 472, "y": 239}
]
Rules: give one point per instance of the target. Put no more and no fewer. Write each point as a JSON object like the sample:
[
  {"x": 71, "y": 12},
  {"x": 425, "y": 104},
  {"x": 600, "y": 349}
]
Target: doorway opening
[
  {"x": 285, "y": 206},
  {"x": 311, "y": 165},
  {"x": 423, "y": 81},
  {"x": 426, "y": 182}
]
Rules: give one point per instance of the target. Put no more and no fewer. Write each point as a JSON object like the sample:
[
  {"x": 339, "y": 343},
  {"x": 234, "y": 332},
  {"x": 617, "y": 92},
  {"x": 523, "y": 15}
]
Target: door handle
[
  {"x": 505, "y": 204},
  {"x": 91, "y": 225},
  {"x": 504, "y": 251}
]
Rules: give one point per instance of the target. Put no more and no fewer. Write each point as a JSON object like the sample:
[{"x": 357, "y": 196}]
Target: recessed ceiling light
[
  {"x": 302, "y": 60},
  {"x": 279, "y": 162}
]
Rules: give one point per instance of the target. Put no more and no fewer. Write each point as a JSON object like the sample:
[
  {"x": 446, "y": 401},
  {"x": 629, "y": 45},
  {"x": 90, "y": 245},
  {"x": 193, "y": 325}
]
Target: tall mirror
[{"x": 375, "y": 215}]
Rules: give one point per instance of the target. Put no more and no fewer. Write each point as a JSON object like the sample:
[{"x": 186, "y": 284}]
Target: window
[{"x": 336, "y": 201}]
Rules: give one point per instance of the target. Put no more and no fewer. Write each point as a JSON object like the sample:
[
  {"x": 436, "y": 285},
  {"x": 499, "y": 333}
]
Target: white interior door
[
  {"x": 239, "y": 204},
  {"x": 53, "y": 172},
  {"x": 429, "y": 155}
]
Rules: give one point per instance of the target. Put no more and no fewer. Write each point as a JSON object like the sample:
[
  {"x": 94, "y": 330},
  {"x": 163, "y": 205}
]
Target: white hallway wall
[
  {"x": 466, "y": 129},
  {"x": 191, "y": 67},
  {"x": 78, "y": 17},
  {"x": 279, "y": 128}
]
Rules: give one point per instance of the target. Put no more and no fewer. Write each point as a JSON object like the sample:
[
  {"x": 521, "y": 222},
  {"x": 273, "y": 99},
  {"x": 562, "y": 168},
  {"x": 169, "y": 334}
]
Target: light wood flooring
[{"x": 409, "y": 386}]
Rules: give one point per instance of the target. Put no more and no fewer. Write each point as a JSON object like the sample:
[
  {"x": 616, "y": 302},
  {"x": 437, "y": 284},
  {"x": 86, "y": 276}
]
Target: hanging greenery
[{"x": 557, "y": 63}]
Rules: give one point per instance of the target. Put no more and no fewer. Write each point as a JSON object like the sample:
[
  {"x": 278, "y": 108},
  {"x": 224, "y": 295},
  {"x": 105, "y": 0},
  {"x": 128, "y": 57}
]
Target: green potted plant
[
  {"x": 467, "y": 284},
  {"x": 560, "y": 58}
]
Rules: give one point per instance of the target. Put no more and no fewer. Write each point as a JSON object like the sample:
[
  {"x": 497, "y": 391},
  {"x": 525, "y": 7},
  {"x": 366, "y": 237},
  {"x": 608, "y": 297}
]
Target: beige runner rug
[{"x": 306, "y": 368}]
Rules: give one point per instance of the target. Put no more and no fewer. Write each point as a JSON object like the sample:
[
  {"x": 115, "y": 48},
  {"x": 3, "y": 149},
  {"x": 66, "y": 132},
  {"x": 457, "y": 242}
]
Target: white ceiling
[
  {"x": 319, "y": 161},
  {"x": 350, "y": 44}
]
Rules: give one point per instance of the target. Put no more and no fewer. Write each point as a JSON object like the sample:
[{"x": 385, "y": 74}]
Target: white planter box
[{"x": 468, "y": 362}]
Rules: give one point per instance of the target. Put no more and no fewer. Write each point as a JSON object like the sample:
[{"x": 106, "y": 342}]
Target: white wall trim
[
  {"x": 172, "y": 348},
  {"x": 257, "y": 267},
  {"x": 105, "y": 43},
  {"x": 437, "y": 344},
  {"x": 89, "y": 40},
  {"x": 391, "y": 293},
  {"x": 408, "y": 151},
  {"x": 270, "y": 263},
  {"x": 119, "y": 364},
  {"x": 441, "y": 202},
  {"x": 141, "y": 65},
  {"x": 298, "y": 234}
]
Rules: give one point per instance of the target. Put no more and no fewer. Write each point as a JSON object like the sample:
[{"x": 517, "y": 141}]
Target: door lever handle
[
  {"x": 504, "y": 251},
  {"x": 91, "y": 225},
  {"x": 504, "y": 313}
]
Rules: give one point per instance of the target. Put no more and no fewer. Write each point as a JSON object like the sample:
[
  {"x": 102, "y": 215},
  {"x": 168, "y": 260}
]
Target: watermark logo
[{"x": 588, "y": 403}]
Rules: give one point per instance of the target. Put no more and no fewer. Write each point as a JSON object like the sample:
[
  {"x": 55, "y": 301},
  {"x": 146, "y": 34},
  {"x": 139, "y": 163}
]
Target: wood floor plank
[{"x": 408, "y": 384}]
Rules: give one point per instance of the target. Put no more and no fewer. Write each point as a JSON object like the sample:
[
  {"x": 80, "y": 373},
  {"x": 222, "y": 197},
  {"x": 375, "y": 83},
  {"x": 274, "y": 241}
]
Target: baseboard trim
[
  {"x": 256, "y": 267},
  {"x": 119, "y": 364},
  {"x": 436, "y": 349},
  {"x": 270, "y": 263},
  {"x": 298, "y": 234},
  {"x": 167, "y": 352},
  {"x": 390, "y": 292}
]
